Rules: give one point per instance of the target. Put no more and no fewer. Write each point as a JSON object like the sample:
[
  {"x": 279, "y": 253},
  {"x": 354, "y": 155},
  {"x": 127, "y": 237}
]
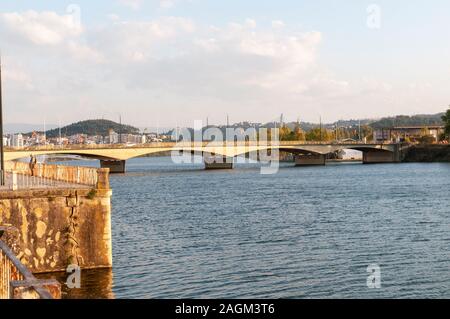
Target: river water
[{"x": 310, "y": 232}]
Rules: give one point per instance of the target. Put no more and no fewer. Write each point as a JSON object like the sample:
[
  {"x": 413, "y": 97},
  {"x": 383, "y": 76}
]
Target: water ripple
[{"x": 179, "y": 231}]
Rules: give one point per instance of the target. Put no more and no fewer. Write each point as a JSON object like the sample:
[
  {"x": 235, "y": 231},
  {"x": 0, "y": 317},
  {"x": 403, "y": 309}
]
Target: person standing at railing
[{"x": 33, "y": 162}]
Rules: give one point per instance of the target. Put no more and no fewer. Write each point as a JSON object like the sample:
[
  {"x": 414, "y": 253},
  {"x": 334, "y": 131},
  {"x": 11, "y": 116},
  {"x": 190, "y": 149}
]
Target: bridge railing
[
  {"x": 17, "y": 281},
  {"x": 43, "y": 174},
  {"x": 55, "y": 148}
]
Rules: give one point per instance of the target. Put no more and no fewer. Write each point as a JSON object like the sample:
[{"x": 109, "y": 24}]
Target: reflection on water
[{"x": 95, "y": 284}]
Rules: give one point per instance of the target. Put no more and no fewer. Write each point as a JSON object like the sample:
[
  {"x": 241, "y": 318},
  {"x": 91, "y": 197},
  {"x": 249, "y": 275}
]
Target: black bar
[{"x": 226, "y": 309}]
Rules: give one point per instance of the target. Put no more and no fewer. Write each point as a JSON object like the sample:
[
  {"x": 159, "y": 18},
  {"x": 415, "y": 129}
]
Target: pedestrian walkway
[{"x": 24, "y": 182}]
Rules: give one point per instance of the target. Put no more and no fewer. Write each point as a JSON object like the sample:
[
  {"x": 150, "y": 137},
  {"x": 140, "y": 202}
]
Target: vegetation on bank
[
  {"x": 325, "y": 134},
  {"x": 358, "y": 130},
  {"x": 404, "y": 120}
]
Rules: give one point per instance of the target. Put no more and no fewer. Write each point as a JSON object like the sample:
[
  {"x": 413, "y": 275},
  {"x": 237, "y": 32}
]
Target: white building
[
  {"x": 6, "y": 141},
  {"x": 17, "y": 140},
  {"x": 113, "y": 137}
]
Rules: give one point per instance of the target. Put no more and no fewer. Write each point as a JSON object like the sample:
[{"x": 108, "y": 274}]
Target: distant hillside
[
  {"x": 93, "y": 127},
  {"x": 403, "y": 120}
]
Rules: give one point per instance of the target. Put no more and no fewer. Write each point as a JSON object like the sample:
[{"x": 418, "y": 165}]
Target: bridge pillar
[
  {"x": 218, "y": 162},
  {"x": 115, "y": 167},
  {"x": 310, "y": 159},
  {"x": 378, "y": 157}
]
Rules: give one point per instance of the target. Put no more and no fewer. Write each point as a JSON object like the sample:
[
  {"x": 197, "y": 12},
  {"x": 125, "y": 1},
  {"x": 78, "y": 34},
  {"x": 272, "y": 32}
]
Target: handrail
[
  {"x": 181, "y": 144},
  {"x": 14, "y": 274},
  {"x": 69, "y": 174}
]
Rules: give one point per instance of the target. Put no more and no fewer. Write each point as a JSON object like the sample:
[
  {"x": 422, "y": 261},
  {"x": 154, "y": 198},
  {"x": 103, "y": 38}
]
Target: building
[
  {"x": 6, "y": 141},
  {"x": 113, "y": 137},
  {"x": 17, "y": 140},
  {"x": 382, "y": 135},
  {"x": 132, "y": 139},
  {"x": 407, "y": 133},
  {"x": 78, "y": 139}
]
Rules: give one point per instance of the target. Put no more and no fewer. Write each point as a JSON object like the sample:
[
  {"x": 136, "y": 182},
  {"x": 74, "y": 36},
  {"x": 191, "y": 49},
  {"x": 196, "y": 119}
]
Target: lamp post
[{"x": 2, "y": 151}]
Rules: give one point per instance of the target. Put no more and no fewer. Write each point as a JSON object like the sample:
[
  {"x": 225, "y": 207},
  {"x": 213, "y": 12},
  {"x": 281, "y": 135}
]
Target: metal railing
[
  {"x": 17, "y": 180},
  {"x": 55, "y": 148},
  {"x": 17, "y": 282},
  {"x": 22, "y": 175}
]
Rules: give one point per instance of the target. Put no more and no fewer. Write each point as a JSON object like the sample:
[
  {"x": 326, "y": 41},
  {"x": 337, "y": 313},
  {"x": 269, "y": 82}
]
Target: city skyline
[{"x": 168, "y": 63}]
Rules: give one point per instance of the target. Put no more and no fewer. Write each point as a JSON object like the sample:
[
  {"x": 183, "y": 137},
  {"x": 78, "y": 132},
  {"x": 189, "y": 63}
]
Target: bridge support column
[
  {"x": 218, "y": 162},
  {"x": 310, "y": 159},
  {"x": 115, "y": 167},
  {"x": 378, "y": 157}
]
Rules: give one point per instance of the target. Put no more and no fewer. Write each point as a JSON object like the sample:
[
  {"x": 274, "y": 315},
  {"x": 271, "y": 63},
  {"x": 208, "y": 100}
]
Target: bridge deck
[{"x": 124, "y": 152}]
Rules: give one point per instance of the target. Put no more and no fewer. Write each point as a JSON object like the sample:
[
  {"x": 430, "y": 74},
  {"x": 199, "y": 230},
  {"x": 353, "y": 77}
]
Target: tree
[
  {"x": 285, "y": 133},
  {"x": 317, "y": 135},
  {"x": 299, "y": 133},
  {"x": 446, "y": 119}
]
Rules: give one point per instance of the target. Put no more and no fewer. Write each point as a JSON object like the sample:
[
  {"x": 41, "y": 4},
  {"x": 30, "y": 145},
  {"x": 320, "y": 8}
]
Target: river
[{"x": 310, "y": 232}]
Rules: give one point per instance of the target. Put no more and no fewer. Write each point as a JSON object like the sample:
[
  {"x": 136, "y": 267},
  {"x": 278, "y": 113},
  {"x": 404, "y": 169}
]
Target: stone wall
[{"x": 58, "y": 227}]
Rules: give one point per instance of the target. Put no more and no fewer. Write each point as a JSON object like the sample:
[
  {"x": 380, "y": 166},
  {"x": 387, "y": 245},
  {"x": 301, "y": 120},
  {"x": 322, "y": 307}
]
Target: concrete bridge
[{"x": 306, "y": 153}]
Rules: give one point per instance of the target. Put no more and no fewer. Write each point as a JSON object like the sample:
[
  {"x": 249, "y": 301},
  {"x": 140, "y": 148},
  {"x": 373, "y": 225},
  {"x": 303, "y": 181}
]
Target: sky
[{"x": 170, "y": 62}]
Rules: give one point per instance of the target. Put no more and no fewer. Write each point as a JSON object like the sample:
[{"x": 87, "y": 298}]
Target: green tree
[
  {"x": 316, "y": 135},
  {"x": 285, "y": 133},
  {"x": 446, "y": 119}
]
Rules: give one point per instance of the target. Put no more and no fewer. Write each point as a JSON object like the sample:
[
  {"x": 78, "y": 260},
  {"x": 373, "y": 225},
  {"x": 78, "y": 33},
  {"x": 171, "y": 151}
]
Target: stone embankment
[
  {"x": 61, "y": 225},
  {"x": 428, "y": 153}
]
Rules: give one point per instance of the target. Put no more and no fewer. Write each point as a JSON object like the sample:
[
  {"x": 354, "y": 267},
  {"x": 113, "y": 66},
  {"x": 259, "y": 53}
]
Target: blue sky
[{"x": 171, "y": 62}]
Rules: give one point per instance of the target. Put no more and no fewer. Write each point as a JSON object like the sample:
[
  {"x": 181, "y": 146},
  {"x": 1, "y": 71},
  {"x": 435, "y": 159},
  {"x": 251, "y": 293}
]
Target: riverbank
[{"x": 428, "y": 154}]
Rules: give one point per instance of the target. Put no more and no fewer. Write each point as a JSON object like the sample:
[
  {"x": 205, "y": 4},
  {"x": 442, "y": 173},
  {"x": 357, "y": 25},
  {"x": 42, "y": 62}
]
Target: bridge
[{"x": 306, "y": 153}]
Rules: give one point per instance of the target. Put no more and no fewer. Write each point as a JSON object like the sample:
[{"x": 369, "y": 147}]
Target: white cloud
[
  {"x": 137, "y": 41},
  {"x": 173, "y": 57},
  {"x": 41, "y": 28},
  {"x": 17, "y": 74},
  {"x": 58, "y": 34},
  {"x": 84, "y": 52},
  {"x": 172, "y": 65}
]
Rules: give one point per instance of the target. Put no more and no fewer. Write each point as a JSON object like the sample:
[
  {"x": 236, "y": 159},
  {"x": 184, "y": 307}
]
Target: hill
[{"x": 93, "y": 127}]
